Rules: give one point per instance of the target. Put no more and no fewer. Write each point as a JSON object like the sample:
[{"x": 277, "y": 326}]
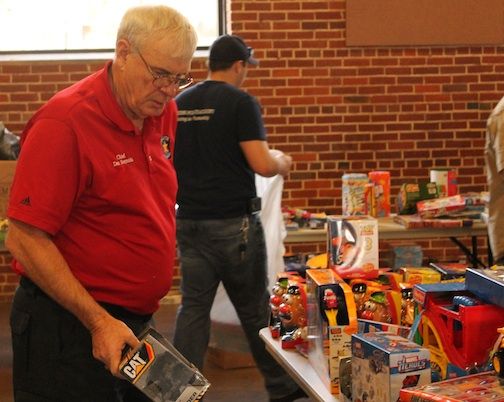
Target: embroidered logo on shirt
[
  {"x": 26, "y": 201},
  {"x": 122, "y": 159},
  {"x": 165, "y": 144},
  {"x": 195, "y": 115}
]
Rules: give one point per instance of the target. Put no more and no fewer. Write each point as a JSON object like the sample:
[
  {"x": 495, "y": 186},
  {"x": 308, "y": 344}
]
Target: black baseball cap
[{"x": 232, "y": 48}]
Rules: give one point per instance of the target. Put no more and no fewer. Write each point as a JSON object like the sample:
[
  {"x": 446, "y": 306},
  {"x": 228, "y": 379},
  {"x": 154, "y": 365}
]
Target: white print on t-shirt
[
  {"x": 121, "y": 159},
  {"x": 195, "y": 115}
]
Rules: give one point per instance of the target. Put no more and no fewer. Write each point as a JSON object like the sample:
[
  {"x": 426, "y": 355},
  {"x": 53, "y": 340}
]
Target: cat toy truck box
[
  {"x": 383, "y": 363},
  {"x": 158, "y": 370}
]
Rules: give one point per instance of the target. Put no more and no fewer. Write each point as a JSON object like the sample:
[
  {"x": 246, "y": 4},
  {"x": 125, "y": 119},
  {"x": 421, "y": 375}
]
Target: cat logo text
[{"x": 138, "y": 363}]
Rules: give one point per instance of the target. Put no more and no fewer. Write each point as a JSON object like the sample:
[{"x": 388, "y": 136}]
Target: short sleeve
[
  {"x": 46, "y": 181},
  {"x": 249, "y": 120}
]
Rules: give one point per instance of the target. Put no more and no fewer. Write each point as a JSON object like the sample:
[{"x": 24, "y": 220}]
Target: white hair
[{"x": 144, "y": 23}]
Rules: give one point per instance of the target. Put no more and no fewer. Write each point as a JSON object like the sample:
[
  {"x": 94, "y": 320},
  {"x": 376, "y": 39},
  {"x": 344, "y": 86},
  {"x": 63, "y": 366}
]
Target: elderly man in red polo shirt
[{"x": 92, "y": 215}]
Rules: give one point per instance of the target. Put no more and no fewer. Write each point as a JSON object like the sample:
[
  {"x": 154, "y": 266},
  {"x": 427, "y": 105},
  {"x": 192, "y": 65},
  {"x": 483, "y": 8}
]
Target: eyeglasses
[{"x": 167, "y": 79}]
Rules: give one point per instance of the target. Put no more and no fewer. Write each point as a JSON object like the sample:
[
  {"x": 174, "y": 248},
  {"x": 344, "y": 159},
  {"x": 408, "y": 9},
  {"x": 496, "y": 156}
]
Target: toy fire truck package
[
  {"x": 158, "y": 370},
  {"x": 383, "y": 363},
  {"x": 353, "y": 246}
]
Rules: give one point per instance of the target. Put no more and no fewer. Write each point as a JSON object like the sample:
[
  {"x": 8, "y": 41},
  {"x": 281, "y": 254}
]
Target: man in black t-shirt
[{"x": 220, "y": 146}]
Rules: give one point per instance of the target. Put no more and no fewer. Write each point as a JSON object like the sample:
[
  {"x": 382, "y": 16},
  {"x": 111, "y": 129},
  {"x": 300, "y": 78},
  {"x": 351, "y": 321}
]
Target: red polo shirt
[{"x": 105, "y": 192}]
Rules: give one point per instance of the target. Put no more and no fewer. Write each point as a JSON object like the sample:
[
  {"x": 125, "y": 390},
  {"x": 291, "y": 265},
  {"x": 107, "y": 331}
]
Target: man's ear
[
  {"x": 123, "y": 49},
  {"x": 238, "y": 65}
]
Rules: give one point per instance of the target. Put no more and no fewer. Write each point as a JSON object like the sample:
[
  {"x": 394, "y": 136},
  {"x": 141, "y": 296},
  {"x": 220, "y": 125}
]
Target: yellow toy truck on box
[{"x": 332, "y": 320}]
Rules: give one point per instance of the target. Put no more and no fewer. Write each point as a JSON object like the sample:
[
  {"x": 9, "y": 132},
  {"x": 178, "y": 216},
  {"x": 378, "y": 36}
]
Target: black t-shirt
[{"x": 214, "y": 178}]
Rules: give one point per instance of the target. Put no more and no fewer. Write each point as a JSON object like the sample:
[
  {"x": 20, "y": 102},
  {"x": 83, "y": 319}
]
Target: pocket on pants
[{"x": 19, "y": 322}]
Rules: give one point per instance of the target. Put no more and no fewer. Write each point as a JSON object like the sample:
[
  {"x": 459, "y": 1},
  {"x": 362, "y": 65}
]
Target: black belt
[{"x": 113, "y": 309}]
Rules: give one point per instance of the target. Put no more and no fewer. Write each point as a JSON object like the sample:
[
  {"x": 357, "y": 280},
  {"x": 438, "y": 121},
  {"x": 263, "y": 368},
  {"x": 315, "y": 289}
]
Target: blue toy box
[{"x": 383, "y": 363}]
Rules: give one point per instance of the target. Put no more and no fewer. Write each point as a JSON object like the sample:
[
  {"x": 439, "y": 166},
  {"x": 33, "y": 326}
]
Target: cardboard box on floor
[{"x": 7, "y": 169}]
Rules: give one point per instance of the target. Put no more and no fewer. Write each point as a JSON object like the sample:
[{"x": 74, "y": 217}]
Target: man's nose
[{"x": 170, "y": 90}]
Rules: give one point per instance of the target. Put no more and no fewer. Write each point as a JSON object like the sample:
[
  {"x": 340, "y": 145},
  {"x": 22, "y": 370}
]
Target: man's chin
[{"x": 155, "y": 111}]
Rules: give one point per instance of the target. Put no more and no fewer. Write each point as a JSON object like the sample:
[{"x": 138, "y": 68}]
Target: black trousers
[{"x": 52, "y": 351}]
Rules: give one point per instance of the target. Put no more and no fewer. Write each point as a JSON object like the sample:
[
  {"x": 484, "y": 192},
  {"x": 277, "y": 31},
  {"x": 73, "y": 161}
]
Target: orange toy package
[
  {"x": 416, "y": 275},
  {"x": 381, "y": 200},
  {"x": 332, "y": 320}
]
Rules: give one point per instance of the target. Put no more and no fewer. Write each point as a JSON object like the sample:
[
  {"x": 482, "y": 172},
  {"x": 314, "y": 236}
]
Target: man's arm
[
  {"x": 45, "y": 266},
  {"x": 263, "y": 161}
]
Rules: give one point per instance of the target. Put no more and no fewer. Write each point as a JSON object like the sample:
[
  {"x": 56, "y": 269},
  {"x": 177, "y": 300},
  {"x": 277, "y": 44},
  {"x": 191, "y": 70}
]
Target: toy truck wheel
[{"x": 464, "y": 301}]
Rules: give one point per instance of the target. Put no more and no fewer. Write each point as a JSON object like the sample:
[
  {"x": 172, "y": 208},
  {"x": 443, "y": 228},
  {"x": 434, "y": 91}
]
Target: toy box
[
  {"x": 450, "y": 270},
  {"x": 487, "y": 284},
  {"x": 356, "y": 194},
  {"x": 410, "y": 193},
  {"x": 381, "y": 199},
  {"x": 406, "y": 255},
  {"x": 365, "y": 326},
  {"x": 482, "y": 387},
  {"x": 440, "y": 206},
  {"x": 415, "y": 275},
  {"x": 331, "y": 322},
  {"x": 353, "y": 246},
  {"x": 383, "y": 363},
  {"x": 159, "y": 371}
]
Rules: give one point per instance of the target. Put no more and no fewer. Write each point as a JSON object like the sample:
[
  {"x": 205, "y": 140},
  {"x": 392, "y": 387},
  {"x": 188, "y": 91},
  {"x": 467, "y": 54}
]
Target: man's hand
[
  {"x": 284, "y": 162},
  {"x": 110, "y": 336}
]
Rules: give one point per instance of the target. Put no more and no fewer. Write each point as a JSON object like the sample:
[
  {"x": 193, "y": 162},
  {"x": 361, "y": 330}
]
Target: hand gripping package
[
  {"x": 158, "y": 370},
  {"x": 353, "y": 246}
]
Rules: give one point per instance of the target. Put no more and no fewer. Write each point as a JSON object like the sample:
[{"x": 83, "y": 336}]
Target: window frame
[{"x": 97, "y": 54}]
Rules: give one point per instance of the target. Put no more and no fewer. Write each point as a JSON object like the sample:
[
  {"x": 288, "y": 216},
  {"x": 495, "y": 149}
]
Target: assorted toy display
[{"x": 376, "y": 334}]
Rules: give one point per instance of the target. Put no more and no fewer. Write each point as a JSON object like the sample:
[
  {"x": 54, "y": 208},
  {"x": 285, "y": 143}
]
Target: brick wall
[{"x": 334, "y": 109}]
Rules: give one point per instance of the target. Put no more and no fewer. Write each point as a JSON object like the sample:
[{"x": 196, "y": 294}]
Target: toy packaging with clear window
[
  {"x": 161, "y": 372},
  {"x": 331, "y": 322},
  {"x": 353, "y": 246}
]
